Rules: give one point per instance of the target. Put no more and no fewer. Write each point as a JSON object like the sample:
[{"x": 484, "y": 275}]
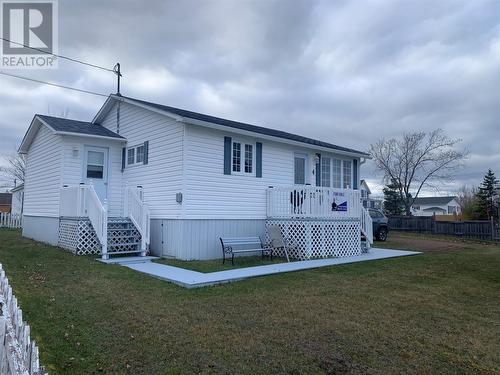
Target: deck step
[{"x": 122, "y": 244}]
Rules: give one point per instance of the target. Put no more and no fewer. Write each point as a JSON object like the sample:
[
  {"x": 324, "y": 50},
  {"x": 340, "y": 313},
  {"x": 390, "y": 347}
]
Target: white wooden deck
[{"x": 193, "y": 279}]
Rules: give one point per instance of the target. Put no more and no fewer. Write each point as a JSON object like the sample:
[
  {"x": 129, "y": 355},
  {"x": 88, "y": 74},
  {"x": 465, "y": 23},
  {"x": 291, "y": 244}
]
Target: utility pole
[{"x": 118, "y": 73}]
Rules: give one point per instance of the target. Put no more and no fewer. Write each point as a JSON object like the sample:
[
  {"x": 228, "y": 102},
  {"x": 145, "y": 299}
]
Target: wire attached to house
[
  {"x": 61, "y": 56},
  {"x": 54, "y": 84}
]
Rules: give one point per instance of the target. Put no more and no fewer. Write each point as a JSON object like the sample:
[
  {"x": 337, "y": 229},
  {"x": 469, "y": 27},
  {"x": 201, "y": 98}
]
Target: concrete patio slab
[{"x": 193, "y": 279}]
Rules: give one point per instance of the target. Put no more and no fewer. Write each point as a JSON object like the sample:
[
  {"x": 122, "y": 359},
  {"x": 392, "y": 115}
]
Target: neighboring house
[
  {"x": 366, "y": 199},
  {"x": 5, "y": 202},
  {"x": 143, "y": 174},
  {"x": 429, "y": 206},
  {"x": 17, "y": 199}
]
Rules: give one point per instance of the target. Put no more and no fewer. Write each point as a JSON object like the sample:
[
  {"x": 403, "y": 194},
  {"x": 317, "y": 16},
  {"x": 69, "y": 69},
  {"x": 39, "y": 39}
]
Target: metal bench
[{"x": 232, "y": 245}]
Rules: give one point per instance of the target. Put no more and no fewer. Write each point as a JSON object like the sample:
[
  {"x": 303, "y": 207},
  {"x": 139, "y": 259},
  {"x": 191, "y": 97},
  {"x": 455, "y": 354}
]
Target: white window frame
[
  {"x": 333, "y": 158},
  {"x": 135, "y": 162},
  {"x": 242, "y": 157}
]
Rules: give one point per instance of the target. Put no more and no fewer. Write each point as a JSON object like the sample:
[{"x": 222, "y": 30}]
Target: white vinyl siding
[
  {"x": 161, "y": 178},
  {"x": 209, "y": 193},
  {"x": 43, "y": 175}
]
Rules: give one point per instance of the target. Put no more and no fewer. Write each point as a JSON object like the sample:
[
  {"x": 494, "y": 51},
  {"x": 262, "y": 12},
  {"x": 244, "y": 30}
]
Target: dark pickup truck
[{"x": 380, "y": 227}]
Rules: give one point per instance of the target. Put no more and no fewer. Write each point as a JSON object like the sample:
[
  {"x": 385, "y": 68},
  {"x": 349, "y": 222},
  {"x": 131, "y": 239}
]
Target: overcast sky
[{"x": 347, "y": 72}]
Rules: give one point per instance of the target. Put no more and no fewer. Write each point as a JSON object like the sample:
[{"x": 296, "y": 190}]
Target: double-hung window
[
  {"x": 243, "y": 158},
  {"x": 135, "y": 155}
]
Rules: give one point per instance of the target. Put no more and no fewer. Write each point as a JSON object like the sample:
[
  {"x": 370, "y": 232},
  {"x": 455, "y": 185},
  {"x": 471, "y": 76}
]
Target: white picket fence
[
  {"x": 8, "y": 220},
  {"x": 18, "y": 353}
]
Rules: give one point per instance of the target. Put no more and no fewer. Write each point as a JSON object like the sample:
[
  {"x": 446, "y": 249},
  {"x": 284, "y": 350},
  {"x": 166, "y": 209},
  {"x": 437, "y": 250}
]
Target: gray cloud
[{"x": 348, "y": 72}]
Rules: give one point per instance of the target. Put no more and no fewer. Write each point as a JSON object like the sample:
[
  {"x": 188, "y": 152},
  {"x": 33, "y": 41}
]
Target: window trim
[{"x": 243, "y": 145}]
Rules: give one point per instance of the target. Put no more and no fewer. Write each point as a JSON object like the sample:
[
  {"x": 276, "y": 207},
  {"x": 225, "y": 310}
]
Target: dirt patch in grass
[{"x": 430, "y": 243}]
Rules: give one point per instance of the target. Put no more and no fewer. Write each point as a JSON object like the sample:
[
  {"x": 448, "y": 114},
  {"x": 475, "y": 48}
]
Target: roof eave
[
  {"x": 108, "y": 104},
  {"x": 274, "y": 138},
  {"x": 121, "y": 139}
]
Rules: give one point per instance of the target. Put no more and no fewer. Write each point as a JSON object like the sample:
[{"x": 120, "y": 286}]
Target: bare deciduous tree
[
  {"x": 417, "y": 160},
  {"x": 15, "y": 168}
]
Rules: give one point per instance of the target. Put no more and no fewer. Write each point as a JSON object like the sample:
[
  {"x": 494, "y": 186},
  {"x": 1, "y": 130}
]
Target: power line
[
  {"x": 61, "y": 56},
  {"x": 54, "y": 84}
]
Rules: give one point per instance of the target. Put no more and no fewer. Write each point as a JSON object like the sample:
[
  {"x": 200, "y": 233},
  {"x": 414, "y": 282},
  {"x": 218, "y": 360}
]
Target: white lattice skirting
[
  {"x": 316, "y": 238},
  {"x": 78, "y": 236}
]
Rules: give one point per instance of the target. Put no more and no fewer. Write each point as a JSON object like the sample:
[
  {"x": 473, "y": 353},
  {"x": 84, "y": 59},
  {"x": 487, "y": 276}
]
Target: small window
[
  {"x": 236, "y": 157},
  {"x": 248, "y": 158},
  {"x": 139, "y": 154},
  {"x": 131, "y": 156},
  {"x": 243, "y": 158}
]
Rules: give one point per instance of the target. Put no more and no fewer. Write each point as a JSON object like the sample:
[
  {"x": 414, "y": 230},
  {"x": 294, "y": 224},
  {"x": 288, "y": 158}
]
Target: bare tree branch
[{"x": 418, "y": 160}]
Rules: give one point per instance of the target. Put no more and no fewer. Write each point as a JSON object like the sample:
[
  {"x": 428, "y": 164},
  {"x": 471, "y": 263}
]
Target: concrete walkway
[{"x": 193, "y": 279}]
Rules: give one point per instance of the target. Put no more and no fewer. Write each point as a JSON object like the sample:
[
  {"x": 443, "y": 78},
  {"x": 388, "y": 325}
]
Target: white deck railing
[
  {"x": 314, "y": 202},
  {"x": 137, "y": 211},
  {"x": 82, "y": 201},
  {"x": 9, "y": 220}
]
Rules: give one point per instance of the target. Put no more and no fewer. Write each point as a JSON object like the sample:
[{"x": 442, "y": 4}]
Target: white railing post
[{"x": 104, "y": 223}]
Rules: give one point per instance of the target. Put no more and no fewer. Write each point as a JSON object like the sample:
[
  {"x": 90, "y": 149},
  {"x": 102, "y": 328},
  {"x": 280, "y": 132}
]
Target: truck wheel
[{"x": 382, "y": 234}]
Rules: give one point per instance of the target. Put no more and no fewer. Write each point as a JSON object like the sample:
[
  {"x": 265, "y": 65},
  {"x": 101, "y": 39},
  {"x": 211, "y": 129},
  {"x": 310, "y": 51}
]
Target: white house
[
  {"x": 366, "y": 199},
  {"x": 17, "y": 200},
  {"x": 145, "y": 175},
  {"x": 429, "y": 206}
]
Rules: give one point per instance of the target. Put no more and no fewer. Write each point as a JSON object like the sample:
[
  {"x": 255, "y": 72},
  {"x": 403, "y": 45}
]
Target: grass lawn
[{"x": 434, "y": 313}]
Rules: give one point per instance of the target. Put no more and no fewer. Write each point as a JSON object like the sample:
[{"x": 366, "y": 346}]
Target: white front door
[{"x": 95, "y": 170}]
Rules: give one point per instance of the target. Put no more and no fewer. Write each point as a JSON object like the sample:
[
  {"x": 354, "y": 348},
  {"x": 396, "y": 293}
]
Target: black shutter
[
  {"x": 227, "y": 155},
  {"x": 355, "y": 174},
  {"x": 258, "y": 159},
  {"x": 146, "y": 153},
  {"x": 124, "y": 155},
  {"x": 318, "y": 170}
]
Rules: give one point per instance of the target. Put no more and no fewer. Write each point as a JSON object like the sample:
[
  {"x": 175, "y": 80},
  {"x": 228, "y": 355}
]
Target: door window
[
  {"x": 300, "y": 170},
  {"x": 95, "y": 165}
]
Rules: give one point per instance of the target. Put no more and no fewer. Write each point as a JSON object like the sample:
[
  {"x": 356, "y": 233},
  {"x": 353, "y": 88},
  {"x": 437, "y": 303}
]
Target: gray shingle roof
[
  {"x": 78, "y": 127},
  {"x": 243, "y": 126},
  {"x": 434, "y": 200}
]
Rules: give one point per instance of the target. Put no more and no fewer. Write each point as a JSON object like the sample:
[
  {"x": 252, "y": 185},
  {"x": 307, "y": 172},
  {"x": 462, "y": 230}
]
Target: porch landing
[{"x": 192, "y": 279}]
